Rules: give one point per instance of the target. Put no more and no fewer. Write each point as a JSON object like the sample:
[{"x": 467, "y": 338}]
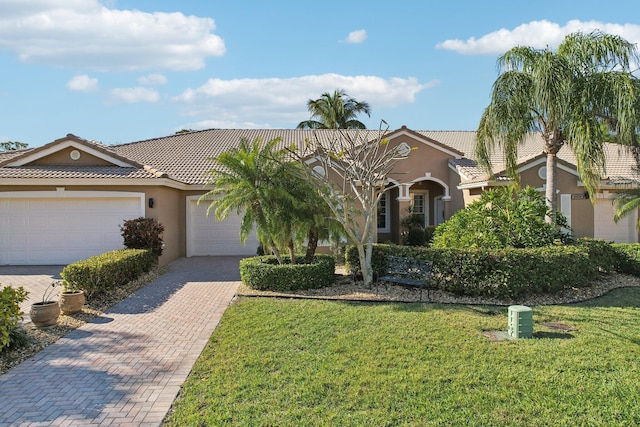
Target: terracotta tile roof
[
  {"x": 72, "y": 171},
  {"x": 185, "y": 156}
]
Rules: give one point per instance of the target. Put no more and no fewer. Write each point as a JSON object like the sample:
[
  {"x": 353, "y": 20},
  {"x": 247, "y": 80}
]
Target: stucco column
[
  {"x": 404, "y": 202},
  {"x": 447, "y": 207}
]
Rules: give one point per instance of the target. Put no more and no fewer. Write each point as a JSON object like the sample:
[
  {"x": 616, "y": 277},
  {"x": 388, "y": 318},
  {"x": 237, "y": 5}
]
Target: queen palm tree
[
  {"x": 244, "y": 181},
  {"x": 337, "y": 111},
  {"x": 566, "y": 96}
]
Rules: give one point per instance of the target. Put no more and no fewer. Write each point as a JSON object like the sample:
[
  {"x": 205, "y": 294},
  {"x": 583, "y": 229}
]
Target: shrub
[
  {"x": 264, "y": 273},
  {"x": 415, "y": 237},
  {"x": 428, "y": 234},
  {"x": 101, "y": 273},
  {"x": 627, "y": 258},
  {"x": 504, "y": 273},
  {"x": 602, "y": 254},
  {"x": 503, "y": 217},
  {"x": 10, "y": 314},
  {"x": 143, "y": 233}
]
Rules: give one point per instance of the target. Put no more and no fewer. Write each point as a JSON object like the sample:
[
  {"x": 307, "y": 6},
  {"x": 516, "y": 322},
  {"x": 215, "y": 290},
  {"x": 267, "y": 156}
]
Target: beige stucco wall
[{"x": 63, "y": 157}]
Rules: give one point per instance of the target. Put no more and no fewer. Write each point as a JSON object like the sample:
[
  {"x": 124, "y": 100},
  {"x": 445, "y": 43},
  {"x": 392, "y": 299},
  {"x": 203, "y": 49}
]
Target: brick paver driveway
[{"x": 126, "y": 367}]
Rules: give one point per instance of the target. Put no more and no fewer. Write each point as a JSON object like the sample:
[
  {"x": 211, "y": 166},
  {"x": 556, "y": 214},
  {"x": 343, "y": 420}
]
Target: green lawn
[{"x": 312, "y": 363}]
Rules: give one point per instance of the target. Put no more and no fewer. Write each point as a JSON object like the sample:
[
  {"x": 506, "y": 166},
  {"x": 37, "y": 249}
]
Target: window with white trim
[{"x": 383, "y": 214}]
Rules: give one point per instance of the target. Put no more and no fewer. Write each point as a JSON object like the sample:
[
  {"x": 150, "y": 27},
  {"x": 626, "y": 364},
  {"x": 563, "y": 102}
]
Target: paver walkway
[{"x": 125, "y": 367}]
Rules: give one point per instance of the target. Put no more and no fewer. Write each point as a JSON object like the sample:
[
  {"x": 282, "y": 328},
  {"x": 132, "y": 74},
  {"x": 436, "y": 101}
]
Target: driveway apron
[{"x": 125, "y": 367}]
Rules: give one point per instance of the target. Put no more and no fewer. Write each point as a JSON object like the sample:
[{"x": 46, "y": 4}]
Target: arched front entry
[{"x": 423, "y": 200}]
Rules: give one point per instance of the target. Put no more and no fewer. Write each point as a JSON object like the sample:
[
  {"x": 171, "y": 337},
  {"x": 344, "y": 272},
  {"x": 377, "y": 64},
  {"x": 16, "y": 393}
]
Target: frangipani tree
[
  {"x": 568, "y": 97},
  {"x": 350, "y": 171}
]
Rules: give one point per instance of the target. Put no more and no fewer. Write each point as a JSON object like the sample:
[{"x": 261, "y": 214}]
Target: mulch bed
[{"x": 346, "y": 288}]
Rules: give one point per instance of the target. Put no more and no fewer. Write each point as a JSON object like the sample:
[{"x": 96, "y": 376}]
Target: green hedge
[
  {"x": 505, "y": 273},
  {"x": 107, "y": 271},
  {"x": 264, "y": 273},
  {"x": 627, "y": 258}
]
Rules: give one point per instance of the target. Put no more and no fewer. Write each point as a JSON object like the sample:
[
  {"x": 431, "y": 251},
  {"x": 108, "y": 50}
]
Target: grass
[{"x": 318, "y": 363}]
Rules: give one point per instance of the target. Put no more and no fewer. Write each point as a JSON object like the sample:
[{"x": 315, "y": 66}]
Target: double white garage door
[{"x": 63, "y": 227}]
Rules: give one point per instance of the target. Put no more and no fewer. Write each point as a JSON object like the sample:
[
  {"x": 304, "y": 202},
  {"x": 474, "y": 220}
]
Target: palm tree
[
  {"x": 245, "y": 180},
  {"x": 259, "y": 182},
  {"x": 337, "y": 111},
  {"x": 626, "y": 203},
  {"x": 568, "y": 97}
]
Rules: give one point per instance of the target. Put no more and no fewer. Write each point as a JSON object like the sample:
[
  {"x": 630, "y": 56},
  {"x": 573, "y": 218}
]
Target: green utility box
[{"x": 520, "y": 322}]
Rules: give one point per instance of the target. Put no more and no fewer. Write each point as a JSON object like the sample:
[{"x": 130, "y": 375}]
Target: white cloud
[
  {"x": 134, "y": 95},
  {"x": 357, "y": 37},
  {"x": 82, "y": 83},
  {"x": 86, "y": 34},
  {"x": 153, "y": 80},
  {"x": 537, "y": 34},
  {"x": 276, "y": 100}
]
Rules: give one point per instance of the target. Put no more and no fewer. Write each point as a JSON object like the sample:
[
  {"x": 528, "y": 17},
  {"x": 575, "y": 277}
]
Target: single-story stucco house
[{"x": 65, "y": 201}]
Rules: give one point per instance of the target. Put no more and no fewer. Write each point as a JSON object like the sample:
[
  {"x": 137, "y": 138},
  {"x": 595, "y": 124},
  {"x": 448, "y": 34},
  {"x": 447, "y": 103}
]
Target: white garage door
[
  {"x": 61, "y": 230},
  {"x": 624, "y": 231},
  {"x": 207, "y": 236}
]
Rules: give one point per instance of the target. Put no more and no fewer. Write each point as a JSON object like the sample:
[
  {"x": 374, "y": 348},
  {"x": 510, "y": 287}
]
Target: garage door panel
[
  {"x": 62, "y": 230},
  {"x": 207, "y": 236}
]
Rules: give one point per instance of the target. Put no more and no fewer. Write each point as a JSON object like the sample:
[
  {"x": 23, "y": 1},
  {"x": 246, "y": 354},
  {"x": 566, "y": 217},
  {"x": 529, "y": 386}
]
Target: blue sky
[{"x": 121, "y": 71}]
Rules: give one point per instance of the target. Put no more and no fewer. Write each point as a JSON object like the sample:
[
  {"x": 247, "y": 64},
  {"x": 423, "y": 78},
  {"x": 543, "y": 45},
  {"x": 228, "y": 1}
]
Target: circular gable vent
[{"x": 75, "y": 155}]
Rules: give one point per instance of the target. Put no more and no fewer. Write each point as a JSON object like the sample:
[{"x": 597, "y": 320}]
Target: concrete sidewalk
[{"x": 126, "y": 367}]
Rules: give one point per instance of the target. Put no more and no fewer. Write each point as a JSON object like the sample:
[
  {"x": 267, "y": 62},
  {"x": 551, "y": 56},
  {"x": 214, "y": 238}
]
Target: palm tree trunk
[
  {"x": 292, "y": 252},
  {"x": 276, "y": 252},
  {"x": 312, "y": 245},
  {"x": 551, "y": 188}
]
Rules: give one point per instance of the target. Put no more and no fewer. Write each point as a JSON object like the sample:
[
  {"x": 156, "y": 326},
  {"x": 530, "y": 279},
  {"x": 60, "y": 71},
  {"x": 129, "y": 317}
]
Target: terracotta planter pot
[
  {"x": 44, "y": 314},
  {"x": 71, "y": 301}
]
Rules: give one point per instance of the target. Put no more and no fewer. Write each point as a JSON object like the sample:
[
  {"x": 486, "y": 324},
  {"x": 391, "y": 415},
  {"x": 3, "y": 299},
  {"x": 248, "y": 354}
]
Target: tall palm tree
[
  {"x": 566, "y": 96},
  {"x": 337, "y": 111}
]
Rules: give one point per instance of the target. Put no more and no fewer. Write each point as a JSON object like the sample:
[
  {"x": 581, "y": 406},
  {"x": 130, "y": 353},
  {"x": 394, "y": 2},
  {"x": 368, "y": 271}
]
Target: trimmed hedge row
[
  {"x": 627, "y": 256},
  {"x": 107, "y": 271},
  {"x": 264, "y": 273},
  {"x": 511, "y": 272}
]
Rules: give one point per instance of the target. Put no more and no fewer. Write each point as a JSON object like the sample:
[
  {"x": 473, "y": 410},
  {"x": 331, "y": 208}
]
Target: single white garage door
[
  {"x": 61, "y": 230},
  {"x": 207, "y": 236},
  {"x": 624, "y": 231}
]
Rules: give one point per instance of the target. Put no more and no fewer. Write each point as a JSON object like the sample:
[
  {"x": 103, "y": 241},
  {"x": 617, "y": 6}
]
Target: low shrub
[
  {"x": 10, "y": 314},
  {"x": 107, "y": 271},
  {"x": 264, "y": 273},
  {"x": 501, "y": 273}
]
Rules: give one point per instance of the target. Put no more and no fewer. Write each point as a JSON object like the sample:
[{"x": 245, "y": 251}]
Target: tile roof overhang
[{"x": 18, "y": 167}]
